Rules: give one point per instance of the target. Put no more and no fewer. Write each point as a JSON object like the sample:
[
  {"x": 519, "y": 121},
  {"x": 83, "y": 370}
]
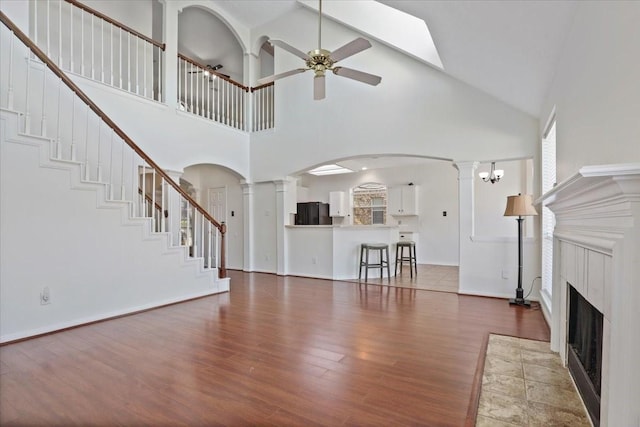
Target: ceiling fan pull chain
[{"x": 320, "y": 26}]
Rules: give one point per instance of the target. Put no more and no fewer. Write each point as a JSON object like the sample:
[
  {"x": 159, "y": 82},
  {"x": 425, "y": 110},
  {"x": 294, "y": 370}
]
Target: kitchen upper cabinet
[
  {"x": 403, "y": 200},
  {"x": 337, "y": 203}
]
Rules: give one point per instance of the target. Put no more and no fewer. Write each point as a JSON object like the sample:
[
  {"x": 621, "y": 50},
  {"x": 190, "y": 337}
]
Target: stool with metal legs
[
  {"x": 383, "y": 260},
  {"x": 411, "y": 258}
]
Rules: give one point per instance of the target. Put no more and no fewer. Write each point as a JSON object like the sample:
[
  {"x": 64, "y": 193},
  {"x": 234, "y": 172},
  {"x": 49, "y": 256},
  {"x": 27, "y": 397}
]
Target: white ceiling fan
[{"x": 321, "y": 60}]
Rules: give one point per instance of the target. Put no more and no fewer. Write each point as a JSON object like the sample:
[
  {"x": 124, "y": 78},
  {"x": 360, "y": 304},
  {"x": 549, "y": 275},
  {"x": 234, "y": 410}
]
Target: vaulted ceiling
[{"x": 508, "y": 49}]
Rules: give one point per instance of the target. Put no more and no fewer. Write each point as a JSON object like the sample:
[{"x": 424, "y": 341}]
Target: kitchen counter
[{"x": 333, "y": 251}]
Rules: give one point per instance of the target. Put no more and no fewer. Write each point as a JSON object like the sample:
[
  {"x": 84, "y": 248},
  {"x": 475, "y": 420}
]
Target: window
[
  {"x": 548, "y": 219},
  {"x": 370, "y": 204}
]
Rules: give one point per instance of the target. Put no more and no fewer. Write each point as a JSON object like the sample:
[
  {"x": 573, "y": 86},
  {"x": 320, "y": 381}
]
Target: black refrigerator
[{"x": 313, "y": 213}]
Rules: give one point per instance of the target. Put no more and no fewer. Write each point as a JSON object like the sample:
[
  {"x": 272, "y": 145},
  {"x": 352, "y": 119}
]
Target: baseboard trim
[
  {"x": 493, "y": 295},
  {"x": 35, "y": 333}
]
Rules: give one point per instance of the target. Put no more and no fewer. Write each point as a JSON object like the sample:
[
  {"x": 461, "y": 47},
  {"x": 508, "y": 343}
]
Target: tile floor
[
  {"x": 525, "y": 384},
  {"x": 431, "y": 277}
]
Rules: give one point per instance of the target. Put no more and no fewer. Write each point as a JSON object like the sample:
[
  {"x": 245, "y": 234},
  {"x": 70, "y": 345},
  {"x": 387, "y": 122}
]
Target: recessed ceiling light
[{"x": 364, "y": 168}]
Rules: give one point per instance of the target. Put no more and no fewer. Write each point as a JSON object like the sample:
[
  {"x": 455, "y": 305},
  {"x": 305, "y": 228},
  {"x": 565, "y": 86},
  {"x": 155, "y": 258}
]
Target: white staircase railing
[
  {"x": 211, "y": 95},
  {"x": 263, "y": 111},
  {"x": 52, "y": 106},
  {"x": 84, "y": 41}
]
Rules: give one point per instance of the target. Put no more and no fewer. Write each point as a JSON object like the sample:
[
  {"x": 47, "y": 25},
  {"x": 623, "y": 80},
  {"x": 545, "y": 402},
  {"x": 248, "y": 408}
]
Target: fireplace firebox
[{"x": 584, "y": 354}]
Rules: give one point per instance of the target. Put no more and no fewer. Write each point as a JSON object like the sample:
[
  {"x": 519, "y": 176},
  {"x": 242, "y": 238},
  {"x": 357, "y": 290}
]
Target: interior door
[{"x": 218, "y": 203}]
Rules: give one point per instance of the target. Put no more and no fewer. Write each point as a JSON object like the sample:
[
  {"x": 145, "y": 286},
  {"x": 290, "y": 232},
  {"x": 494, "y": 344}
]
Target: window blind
[{"x": 548, "y": 220}]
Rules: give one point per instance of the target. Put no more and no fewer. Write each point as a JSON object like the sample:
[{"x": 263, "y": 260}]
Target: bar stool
[
  {"x": 383, "y": 261},
  {"x": 400, "y": 256}
]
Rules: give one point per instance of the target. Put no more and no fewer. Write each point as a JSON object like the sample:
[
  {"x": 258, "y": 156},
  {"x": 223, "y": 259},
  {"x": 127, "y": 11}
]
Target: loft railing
[
  {"x": 211, "y": 95},
  {"x": 53, "y": 106},
  {"x": 83, "y": 41},
  {"x": 206, "y": 93},
  {"x": 263, "y": 112}
]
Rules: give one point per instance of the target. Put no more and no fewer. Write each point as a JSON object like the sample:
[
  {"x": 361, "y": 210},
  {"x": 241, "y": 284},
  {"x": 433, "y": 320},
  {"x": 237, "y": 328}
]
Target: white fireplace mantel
[{"x": 597, "y": 250}]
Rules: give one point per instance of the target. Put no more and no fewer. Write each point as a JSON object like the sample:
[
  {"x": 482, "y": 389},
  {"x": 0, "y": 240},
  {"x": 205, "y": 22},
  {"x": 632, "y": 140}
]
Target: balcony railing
[
  {"x": 83, "y": 41},
  {"x": 263, "y": 113},
  {"x": 204, "y": 92}
]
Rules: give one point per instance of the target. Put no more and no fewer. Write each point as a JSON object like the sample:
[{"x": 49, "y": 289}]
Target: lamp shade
[{"x": 520, "y": 205}]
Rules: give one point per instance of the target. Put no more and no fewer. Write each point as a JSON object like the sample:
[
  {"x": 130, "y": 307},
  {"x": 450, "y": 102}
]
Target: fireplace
[
  {"x": 584, "y": 351},
  {"x": 593, "y": 311}
]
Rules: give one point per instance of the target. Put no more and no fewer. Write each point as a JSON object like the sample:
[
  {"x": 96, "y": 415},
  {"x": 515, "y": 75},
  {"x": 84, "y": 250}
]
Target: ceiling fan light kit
[{"x": 321, "y": 60}]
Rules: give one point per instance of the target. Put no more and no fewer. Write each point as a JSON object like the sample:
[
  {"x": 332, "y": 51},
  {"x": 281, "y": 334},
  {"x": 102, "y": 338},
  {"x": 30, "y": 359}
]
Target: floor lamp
[{"x": 519, "y": 206}]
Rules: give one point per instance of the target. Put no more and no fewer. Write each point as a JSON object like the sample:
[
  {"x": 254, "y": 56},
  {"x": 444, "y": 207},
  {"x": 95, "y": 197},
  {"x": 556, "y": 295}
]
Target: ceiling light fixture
[
  {"x": 321, "y": 60},
  {"x": 329, "y": 170},
  {"x": 493, "y": 176}
]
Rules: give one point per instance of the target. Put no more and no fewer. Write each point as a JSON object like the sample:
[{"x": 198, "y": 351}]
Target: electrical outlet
[
  {"x": 45, "y": 296},
  {"x": 505, "y": 274},
  {"x": 314, "y": 260}
]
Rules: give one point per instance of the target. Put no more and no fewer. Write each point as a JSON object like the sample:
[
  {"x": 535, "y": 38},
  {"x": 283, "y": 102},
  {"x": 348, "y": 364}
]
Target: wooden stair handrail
[
  {"x": 220, "y": 76},
  {"x": 116, "y": 23},
  {"x": 222, "y": 227},
  {"x": 253, "y": 89}
]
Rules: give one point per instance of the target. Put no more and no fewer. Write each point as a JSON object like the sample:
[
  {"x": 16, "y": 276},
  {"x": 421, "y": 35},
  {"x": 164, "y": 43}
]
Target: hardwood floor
[{"x": 273, "y": 351}]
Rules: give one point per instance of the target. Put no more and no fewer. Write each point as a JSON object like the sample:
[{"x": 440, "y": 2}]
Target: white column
[
  {"x": 285, "y": 206},
  {"x": 466, "y": 173},
  {"x": 282, "y": 215},
  {"x": 247, "y": 202},
  {"x": 170, "y": 63},
  {"x": 251, "y": 67}
]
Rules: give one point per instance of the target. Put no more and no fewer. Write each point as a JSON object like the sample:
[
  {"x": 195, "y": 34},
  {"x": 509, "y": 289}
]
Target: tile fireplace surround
[{"x": 597, "y": 251}]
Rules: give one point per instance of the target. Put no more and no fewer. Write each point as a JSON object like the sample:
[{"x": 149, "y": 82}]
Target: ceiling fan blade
[
  {"x": 269, "y": 79},
  {"x": 290, "y": 49},
  {"x": 351, "y": 48},
  {"x": 318, "y": 87},
  {"x": 360, "y": 76}
]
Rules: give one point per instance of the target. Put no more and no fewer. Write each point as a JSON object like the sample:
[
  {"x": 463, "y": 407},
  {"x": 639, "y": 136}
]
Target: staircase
[{"x": 91, "y": 228}]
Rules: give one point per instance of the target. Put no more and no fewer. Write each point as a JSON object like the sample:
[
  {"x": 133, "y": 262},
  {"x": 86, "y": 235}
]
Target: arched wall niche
[{"x": 206, "y": 36}]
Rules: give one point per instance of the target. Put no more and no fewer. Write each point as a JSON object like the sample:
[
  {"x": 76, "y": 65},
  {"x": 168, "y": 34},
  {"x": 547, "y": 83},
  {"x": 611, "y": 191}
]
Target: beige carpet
[{"x": 525, "y": 384}]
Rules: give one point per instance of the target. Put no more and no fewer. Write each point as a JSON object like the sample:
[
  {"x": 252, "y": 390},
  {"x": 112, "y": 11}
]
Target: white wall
[
  {"x": 596, "y": 92},
  {"x": 438, "y": 192},
  {"x": 596, "y": 89},
  {"x": 173, "y": 139},
  {"x": 204, "y": 177},
  {"x": 415, "y": 110},
  {"x": 265, "y": 225},
  {"x": 95, "y": 261},
  {"x": 491, "y": 199},
  {"x": 137, "y": 15}
]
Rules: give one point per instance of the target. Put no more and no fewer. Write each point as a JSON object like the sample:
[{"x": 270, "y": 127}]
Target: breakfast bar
[{"x": 333, "y": 251}]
